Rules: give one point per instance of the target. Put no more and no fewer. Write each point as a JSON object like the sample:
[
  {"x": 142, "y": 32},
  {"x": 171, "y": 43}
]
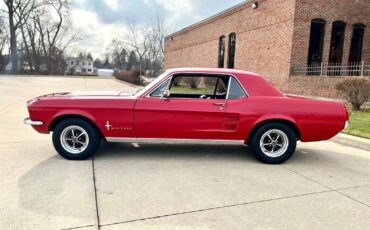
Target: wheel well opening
[
  {"x": 56, "y": 121},
  {"x": 285, "y": 122}
]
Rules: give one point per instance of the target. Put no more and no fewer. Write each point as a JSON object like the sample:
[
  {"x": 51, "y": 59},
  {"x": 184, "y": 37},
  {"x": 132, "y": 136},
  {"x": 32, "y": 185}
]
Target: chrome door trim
[
  {"x": 228, "y": 88},
  {"x": 173, "y": 141}
]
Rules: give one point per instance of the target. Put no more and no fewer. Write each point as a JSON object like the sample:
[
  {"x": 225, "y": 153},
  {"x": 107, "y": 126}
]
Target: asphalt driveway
[{"x": 324, "y": 186}]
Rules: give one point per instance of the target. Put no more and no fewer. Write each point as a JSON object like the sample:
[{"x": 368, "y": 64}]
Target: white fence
[{"x": 332, "y": 69}]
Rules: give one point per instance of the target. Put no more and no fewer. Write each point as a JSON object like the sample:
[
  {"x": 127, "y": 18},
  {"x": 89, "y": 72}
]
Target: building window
[
  {"x": 232, "y": 44},
  {"x": 221, "y": 52},
  {"x": 357, "y": 40},
  {"x": 316, "y": 44},
  {"x": 336, "y": 44}
]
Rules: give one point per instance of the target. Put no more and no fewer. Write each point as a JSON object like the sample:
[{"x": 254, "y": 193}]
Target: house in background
[
  {"x": 81, "y": 65},
  {"x": 301, "y": 46}
]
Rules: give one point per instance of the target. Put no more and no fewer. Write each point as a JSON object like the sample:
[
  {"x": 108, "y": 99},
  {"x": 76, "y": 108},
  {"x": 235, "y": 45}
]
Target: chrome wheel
[
  {"x": 274, "y": 143},
  {"x": 74, "y": 139}
]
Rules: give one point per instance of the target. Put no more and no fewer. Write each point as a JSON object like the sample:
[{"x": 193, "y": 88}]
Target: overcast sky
[{"x": 104, "y": 20}]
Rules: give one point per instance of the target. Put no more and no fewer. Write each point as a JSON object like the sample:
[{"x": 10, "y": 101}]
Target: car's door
[
  {"x": 195, "y": 108},
  {"x": 238, "y": 116}
]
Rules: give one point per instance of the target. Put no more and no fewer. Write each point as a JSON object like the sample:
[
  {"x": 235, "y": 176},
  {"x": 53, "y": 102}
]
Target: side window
[
  {"x": 235, "y": 90},
  {"x": 221, "y": 89},
  {"x": 159, "y": 91},
  {"x": 193, "y": 85}
]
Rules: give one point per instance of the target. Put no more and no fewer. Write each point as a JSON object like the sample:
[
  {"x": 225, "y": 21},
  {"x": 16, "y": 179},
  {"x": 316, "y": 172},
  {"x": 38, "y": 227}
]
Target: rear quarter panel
[{"x": 315, "y": 120}]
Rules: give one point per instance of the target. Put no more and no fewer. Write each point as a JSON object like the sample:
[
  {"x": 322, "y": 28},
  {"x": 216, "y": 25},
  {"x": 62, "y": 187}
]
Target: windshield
[{"x": 153, "y": 83}]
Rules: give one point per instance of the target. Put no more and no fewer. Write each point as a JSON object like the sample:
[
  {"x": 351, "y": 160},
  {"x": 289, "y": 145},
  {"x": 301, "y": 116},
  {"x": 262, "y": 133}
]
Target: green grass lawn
[{"x": 359, "y": 124}]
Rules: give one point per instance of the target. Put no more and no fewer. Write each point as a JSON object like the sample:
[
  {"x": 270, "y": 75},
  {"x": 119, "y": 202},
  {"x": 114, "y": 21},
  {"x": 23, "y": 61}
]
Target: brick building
[{"x": 301, "y": 46}]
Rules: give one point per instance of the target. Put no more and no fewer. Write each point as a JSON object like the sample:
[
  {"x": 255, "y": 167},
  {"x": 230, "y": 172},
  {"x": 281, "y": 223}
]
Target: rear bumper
[
  {"x": 346, "y": 124},
  {"x": 28, "y": 121}
]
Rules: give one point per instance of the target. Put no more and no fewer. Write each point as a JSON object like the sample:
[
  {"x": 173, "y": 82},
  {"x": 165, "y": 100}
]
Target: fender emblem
[{"x": 108, "y": 126}]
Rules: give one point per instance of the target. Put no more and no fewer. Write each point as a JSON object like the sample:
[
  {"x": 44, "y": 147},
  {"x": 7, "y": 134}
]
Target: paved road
[{"x": 324, "y": 186}]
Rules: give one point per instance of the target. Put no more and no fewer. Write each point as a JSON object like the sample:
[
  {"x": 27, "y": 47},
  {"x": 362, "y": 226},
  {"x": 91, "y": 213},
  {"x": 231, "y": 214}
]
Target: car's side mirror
[{"x": 166, "y": 93}]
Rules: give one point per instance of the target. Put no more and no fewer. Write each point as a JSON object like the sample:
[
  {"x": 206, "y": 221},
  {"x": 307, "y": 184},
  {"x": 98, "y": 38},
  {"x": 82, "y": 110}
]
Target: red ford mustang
[{"x": 188, "y": 105}]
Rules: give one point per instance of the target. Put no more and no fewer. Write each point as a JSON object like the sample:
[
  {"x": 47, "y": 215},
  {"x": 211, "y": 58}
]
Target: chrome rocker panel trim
[
  {"x": 28, "y": 121},
  {"x": 174, "y": 141}
]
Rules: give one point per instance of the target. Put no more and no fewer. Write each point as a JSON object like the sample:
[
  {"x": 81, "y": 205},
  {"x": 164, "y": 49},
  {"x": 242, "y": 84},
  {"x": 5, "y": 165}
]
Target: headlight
[{"x": 346, "y": 125}]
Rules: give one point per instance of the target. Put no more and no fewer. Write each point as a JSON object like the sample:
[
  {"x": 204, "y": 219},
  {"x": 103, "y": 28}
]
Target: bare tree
[
  {"x": 54, "y": 33},
  {"x": 3, "y": 35},
  {"x": 118, "y": 54},
  {"x": 34, "y": 47},
  {"x": 156, "y": 36},
  {"x": 26, "y": 48},
  {"x": 4, "y": 38},
  {"x": 18, "y": 11},
  {"x": 147, "y": 41},
  {"x": 138, "y": 40},
  {"x": 43, "y": 31}
]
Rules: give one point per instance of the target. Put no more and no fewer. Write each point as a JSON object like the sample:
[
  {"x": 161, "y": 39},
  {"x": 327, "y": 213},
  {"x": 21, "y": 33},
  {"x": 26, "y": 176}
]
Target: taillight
[{"x": 346, "y": 109}]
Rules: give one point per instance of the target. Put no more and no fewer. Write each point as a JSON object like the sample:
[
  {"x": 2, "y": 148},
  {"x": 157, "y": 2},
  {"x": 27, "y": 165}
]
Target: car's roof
[{"x": 214, "y": 70}]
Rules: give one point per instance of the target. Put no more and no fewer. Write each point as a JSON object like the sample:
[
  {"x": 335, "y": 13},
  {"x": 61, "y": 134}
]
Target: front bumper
[{"x": 28, "y": 121}]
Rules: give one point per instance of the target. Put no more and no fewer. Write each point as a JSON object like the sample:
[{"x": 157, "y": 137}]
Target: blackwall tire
[
  {"x": 273, "y": 143},
  {"x": 76, "y": 139}
]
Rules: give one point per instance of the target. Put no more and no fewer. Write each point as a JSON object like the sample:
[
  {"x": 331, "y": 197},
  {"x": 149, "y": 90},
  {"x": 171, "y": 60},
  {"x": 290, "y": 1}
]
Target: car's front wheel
[
  {"x": 75, "y": 139},
  {"x": 273, "y": 143}
]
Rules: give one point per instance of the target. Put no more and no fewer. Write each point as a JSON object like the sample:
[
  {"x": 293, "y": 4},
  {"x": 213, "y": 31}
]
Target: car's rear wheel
[
  {"x": 75, "y": 139},
  {"x": 273, "y": 143}
]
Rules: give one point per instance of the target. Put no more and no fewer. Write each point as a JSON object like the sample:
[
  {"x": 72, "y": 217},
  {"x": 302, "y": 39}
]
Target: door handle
[{"x": 219, "y": 104}]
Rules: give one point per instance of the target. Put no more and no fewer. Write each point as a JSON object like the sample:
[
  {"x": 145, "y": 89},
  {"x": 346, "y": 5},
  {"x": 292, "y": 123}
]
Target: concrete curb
[{"x": 352, "y": 141}]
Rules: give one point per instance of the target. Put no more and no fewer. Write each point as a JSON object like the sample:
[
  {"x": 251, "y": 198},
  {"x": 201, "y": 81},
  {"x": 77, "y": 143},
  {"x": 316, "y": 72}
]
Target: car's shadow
[
  {"x": 53, "y": 186},
  {"x": 46, "y": 186},
  {"x": 147, "y": 150}
]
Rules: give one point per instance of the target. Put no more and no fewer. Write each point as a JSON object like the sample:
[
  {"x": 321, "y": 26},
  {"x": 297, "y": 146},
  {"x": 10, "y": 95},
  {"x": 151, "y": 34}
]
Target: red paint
[{"x": 145, "y": 117}]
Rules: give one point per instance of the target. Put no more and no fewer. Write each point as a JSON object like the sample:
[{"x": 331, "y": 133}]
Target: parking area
[{"x": 325, "y": 185}]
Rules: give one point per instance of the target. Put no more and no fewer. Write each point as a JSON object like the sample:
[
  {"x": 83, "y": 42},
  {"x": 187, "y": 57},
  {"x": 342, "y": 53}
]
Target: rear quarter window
[{"x": 235, "y": 90}]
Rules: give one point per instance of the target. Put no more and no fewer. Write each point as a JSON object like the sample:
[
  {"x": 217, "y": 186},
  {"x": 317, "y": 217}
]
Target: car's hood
[
  {"x": 89, "y": 94},
  {"x": 97, "y": 94},
  {"x": 49, "y": 99}
]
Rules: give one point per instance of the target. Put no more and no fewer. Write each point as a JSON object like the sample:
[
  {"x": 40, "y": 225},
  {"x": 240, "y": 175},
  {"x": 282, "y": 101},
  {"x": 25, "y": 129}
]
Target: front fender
[{"x": 72, "y": 112}]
